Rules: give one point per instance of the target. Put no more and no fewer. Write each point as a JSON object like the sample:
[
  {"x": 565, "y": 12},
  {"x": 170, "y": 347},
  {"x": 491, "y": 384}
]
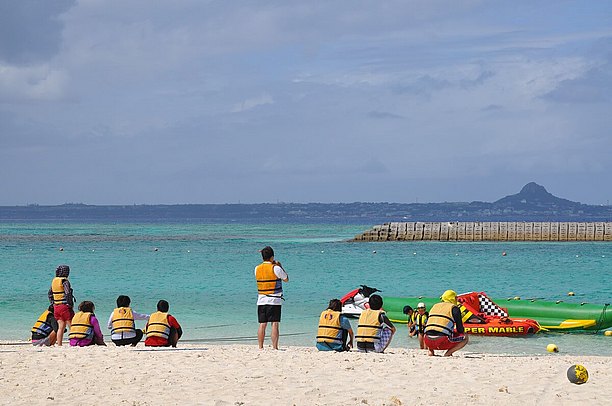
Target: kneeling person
[
  {"x": 162, "y": 329},
  {"x": 121, "y": 323},
  {"x": 375, "y": 330},
  {"x": 44, "y": 331},
  {"x": 444, "y": 319},
  {"x": 334, "y": 329}
]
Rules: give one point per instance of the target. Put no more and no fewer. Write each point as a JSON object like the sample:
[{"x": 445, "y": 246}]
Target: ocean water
[{"x": 205, "y": 271}]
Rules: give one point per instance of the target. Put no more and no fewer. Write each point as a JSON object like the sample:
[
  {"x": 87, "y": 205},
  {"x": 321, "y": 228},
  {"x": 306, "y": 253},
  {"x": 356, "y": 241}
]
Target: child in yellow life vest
[
  {"x": 85, "y": 328},
  {"x": 163, "y": 330},
  {"x": 44, "y": 331},
  {"x": 334, "y": 329},
  {"x": 375, "y": 330},
  {"x": 420, "y": 321},
  {"x": 62, "y": 299},
  {"x": 122, "y": 323},
  {"x": 409, "y": 312}
]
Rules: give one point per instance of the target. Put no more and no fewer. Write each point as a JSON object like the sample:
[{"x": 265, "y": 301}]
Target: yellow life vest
[
  {"x": 57, "y": 287},
  {"x": 368, "y": 328},
  {"x": 122, "y": 321},
  {"x": 329, "y": 327},
  {"x": 158, "y": 325},
  {"x": 81, "y": 326},
  {"x": 441, "y": 319},
  {"x": 267, "y": 282},
  {"x": 420, "y": 321},
  {"x": 41, "y": 327}
]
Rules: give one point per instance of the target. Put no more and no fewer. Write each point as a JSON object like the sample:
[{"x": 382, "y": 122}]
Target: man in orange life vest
[{"x": 270, "y": 276}]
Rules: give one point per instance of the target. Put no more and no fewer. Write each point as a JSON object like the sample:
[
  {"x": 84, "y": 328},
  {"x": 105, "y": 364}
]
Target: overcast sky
[{"x": 193, "y": 101}]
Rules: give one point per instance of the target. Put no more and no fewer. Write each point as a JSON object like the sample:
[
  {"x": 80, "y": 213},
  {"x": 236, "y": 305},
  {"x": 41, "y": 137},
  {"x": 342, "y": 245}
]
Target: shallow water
[{"x": 205, "y": 271}]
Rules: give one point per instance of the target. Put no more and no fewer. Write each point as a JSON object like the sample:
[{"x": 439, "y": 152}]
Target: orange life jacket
[{"x": 267, "y": 282}]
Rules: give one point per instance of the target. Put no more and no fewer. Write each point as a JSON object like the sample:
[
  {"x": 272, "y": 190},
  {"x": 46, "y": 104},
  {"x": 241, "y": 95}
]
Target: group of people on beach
[
  {"x": 439, "y": 329},
  {"x": 162, "y": 329}
]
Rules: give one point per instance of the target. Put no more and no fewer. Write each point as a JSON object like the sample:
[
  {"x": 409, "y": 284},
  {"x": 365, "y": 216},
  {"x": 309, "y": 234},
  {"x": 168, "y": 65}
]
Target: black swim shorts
[{"x": 269, "y": 313}]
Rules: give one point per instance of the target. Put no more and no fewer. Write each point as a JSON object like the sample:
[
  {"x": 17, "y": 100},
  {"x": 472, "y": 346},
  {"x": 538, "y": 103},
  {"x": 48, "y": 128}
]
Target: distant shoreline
[{"x": 306, "y": 213}]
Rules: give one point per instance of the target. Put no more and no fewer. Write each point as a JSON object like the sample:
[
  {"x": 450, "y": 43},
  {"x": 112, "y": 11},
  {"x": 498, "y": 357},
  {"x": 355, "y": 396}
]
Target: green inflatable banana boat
[{"x": 557, "y": 316}]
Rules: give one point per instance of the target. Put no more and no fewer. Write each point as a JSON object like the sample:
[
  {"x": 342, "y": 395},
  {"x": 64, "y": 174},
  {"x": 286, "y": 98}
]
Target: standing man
[
  {"x": 270, "y": 276},
  {"x": 444, "y": 328},
  {"x": 62, "y": 299}
]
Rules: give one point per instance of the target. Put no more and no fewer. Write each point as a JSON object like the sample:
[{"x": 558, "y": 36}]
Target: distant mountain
[
  {"x": 534, "y": 195},
  {"x": 532, "y": 203}
]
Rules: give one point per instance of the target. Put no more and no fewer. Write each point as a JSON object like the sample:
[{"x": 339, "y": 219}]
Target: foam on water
[{"x": 206, "y": 273}]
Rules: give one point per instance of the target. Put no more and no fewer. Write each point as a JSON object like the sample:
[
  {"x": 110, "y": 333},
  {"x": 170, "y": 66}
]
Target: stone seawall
[{"x": 488, "y": 231}]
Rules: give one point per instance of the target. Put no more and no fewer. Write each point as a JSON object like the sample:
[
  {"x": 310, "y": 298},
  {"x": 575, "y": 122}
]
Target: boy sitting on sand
[
  {"x": 121, "y": 323},
  {"x": 162, "y": 329},
  {"x": 375, "y": 330}
]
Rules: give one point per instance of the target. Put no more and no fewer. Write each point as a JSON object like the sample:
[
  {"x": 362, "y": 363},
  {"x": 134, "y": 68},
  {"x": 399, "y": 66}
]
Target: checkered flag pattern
[{"x": 489, "y": 308}]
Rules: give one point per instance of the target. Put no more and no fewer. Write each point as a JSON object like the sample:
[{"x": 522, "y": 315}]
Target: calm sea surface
[{"x": 205, "y": 271}]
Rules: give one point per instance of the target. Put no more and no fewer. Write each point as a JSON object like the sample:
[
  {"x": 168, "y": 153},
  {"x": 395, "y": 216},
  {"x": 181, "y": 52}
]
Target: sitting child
[
  {"x": 162, "y": 329},
  {"x": 44, "y": 331},
  {"x": 85, "y": 328},
  {"x": 122, "y": 325}
]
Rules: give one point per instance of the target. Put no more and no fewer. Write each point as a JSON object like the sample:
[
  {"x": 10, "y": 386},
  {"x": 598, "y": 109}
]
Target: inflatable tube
[{"x": 558, "y": 316}]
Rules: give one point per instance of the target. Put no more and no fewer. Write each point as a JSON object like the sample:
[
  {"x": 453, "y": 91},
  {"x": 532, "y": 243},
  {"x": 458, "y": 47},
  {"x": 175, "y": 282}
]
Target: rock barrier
[{"x": 488, "y": 231}]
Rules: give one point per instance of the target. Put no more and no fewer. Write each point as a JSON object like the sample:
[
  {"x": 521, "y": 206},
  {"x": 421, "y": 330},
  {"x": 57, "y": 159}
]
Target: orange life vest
[{"x": 267, "y": 282}]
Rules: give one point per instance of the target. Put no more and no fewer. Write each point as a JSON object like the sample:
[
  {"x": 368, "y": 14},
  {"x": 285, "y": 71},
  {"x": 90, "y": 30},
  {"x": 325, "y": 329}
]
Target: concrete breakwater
[{"x": 488, "y": 231}]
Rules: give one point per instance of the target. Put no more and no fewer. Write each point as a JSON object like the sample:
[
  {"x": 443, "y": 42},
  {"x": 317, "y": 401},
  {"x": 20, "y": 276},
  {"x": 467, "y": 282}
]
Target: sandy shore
[{"x": 243, "y": 375}]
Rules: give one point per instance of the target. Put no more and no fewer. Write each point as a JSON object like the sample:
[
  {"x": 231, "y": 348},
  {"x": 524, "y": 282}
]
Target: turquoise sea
[{"x": 205, "y": 271}]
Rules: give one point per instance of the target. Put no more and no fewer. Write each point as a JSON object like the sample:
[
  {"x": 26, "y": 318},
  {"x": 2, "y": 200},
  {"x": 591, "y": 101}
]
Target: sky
[{"x": 195, "y": 101}]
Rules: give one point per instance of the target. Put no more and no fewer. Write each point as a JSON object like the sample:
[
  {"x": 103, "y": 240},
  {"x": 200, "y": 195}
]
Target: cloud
[
  {"x": 30, "y": 30},
  {"x": 383, "y": 115},
  {"x": 326, "y": 99},
  {"x": 251, "y": 103},
  {"x": 594, "y": 86},
  {"x": 34, "y": 83}
]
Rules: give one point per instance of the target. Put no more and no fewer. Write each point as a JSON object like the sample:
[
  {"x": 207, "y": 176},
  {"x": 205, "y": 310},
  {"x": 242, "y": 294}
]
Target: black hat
[{"x": 62, "y": 271}]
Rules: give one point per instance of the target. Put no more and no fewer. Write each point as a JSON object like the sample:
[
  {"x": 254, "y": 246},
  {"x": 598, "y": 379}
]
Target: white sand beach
[{"x": 244, "y": 375}]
